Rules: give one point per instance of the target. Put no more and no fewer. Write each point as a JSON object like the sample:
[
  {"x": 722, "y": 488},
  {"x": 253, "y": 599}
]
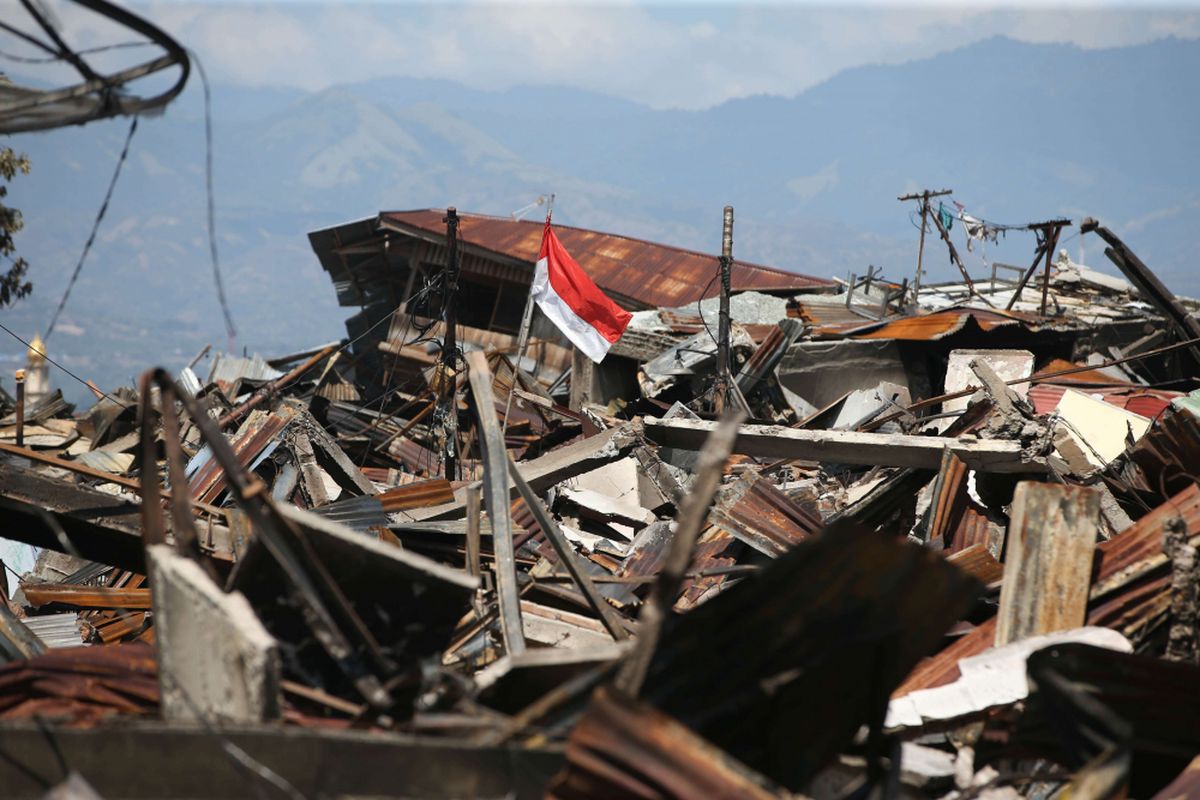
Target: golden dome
[{"x": 37, "y": 351}]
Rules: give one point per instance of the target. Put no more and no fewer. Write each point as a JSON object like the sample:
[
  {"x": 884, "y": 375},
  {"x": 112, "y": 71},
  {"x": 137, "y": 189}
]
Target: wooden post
[
  {"x": 474, "y": 512},
  {"x": 1048, "y": 570},
  {"x": 495, "y": 484},
  {"x": 1052, "y": 235},
  {"x": 20, "y": 410},
  {"x": 581, "y": 380},
  {"x": 693, "y": 513},
  {"x": 721, "y": 389}
]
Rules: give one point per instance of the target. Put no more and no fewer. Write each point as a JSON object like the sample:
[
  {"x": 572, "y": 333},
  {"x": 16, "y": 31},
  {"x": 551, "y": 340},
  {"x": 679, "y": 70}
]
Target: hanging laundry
[
  {"x": 977, "y": 230},
  {"x": 944, "y": 216}
]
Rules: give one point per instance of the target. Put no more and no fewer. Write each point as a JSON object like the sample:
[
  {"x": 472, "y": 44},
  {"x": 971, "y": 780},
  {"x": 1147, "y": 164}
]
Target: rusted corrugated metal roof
[
  {"x": 81, "y": 685},
  {"x": 1147, "y": 402},
  {"x": 759, "y": 514},
  {"x": 638, "y": 272},
  {"x": 418, "y": 494},
  {"x": 939, "y": 324},
  {"x": 1129, "y": 576}
]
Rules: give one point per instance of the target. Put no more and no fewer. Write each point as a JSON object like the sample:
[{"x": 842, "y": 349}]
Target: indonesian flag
[{"x": 567, "y": 296}]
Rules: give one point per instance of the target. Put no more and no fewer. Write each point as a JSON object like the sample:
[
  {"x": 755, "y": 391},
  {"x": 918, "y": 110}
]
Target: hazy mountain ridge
[{"x": 1021, "y": 132}]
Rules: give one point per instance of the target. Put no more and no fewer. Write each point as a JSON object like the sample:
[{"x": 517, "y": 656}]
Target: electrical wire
[
  {"x": 700, "y": 308},
  {"x": 230, "y": 329},
  {"x": 95, "y": 227}
]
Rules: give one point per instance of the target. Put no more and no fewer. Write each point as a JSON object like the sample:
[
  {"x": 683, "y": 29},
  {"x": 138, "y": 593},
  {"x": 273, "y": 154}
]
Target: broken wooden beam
[
  {"x": 495, "y": 496},
  {"x": 569, "y": 558},
  {"x": 1051, "y": 540},
  {"x": 850, "y": 447}
]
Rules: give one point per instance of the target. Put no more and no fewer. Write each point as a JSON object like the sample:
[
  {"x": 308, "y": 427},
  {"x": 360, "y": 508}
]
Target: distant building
[{"x": 381, "y": 263}]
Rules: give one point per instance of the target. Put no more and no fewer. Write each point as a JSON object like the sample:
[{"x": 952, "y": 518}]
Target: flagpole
[{"x": 523, "y": 334}]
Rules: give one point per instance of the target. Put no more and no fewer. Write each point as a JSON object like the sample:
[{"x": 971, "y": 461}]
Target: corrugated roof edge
[{"x": 818, "y": 282}]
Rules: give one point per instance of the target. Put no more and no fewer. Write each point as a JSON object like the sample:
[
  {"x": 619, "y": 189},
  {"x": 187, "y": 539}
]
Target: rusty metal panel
[
  {"x": 209, "y": 480},
  {"x": 643, "y": 274},
  {"x": 784, "y": 656},
  {"x": 38, "y": 595},
  {"x": 81, "y": 684},
  {"x": 420, "y": 494},
  {"x": 1130, "y": 574},
  {"x": 948, "y": 502},
  {"x": 1051, "y": 540},
  {"x": 622, "y": 749},
  {"x": 756, "y": 512},
  {"x": 979, "y": 563},
  {"x": 931, "y": 327}
]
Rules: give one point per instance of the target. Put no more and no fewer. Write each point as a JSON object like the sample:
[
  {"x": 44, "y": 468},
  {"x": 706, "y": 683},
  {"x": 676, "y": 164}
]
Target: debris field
[{"x": 792, "y": 537}]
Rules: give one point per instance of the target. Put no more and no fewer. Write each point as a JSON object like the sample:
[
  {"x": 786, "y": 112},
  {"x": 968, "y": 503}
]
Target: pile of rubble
[{"x": 917, "y": 545}]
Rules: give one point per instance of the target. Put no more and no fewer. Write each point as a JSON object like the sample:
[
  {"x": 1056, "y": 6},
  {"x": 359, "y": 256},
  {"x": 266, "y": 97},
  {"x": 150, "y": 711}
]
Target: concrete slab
[
  {"x": 1008, "y": 364},
  {"x": 216, "y": 661}
]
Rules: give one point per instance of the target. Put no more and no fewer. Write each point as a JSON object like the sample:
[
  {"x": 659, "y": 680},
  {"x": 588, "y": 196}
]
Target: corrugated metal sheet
[
  {"x": 228, "y": 370},
  {"x": 1087, "y": 376},
  {"x": 419, "y": 494},
  {"x": 939, "y": 324},
  {"x": 1148, "y": 403},
  {"x": 1168, "y": 454},
  {"x": 56, "y": 630},
  {"x": 756, "y": 512},
  {"x": 1130, "y": 576},
  {"x": 81, "y": 685},
  {"x": 641, "y": 273},
  {"x": 362, "y": 514},
  {"x": 978, "y": 562}
]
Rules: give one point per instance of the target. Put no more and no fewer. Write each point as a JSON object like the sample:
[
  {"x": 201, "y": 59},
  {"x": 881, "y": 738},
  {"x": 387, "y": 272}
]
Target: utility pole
[
  {"x": 724, "y": 379},
  {"x": 447, "y": 366},
  {"x": 922, "y": 196}
]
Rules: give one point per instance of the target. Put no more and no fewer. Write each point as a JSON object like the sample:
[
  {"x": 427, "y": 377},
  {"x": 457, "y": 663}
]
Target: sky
[{"x": 663, "y": 54}]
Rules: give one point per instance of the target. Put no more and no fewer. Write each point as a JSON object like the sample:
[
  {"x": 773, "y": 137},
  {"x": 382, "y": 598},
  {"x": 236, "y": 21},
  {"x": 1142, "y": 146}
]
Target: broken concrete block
[
  {"x": 1008, "y": 364},
  {"x": 1098, "y": 429},
  {"x": 216, "y": 661}
]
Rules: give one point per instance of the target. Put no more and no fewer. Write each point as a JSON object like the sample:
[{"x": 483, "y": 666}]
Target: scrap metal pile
[{"x": 932, "y": 549}]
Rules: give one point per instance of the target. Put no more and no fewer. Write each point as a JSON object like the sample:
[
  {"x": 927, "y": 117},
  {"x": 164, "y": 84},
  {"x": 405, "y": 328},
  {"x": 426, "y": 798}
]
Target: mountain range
[{"x": 1020, "y": 132}]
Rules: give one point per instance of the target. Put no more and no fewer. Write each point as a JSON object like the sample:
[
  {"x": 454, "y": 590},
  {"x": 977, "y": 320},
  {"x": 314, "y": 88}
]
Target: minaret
[{"x": 37, "y": 372}]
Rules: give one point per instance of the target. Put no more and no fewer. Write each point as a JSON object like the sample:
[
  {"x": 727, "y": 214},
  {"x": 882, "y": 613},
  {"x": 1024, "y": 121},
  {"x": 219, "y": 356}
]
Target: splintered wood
[{"x": 1051, "y": 539}]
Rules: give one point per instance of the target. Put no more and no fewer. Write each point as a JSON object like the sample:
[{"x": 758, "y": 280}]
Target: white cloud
[
  {"x": 809, "y": 186},
  {"x": 661, "y": 54}
]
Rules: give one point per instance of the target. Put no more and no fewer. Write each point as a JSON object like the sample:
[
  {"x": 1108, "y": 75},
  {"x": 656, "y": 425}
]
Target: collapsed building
[{"x": 931, "y": 541}]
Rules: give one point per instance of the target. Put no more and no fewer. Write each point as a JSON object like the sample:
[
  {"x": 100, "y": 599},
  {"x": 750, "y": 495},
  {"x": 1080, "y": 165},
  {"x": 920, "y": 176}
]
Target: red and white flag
[{"x": 566, "y": 295}]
